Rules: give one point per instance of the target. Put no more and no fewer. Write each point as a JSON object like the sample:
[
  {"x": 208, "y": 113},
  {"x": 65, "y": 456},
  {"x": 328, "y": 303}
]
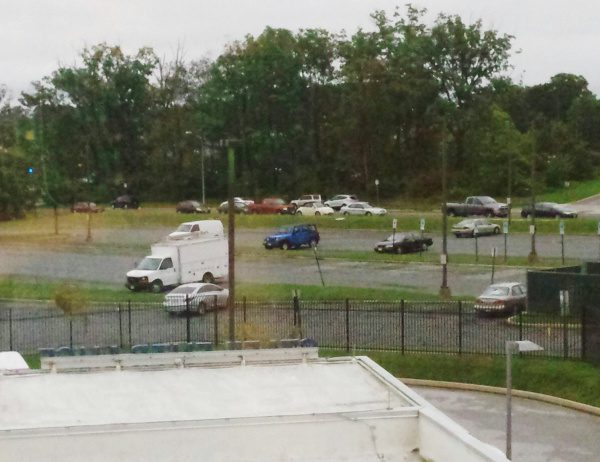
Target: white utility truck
[{"x": 175, "y": 262}]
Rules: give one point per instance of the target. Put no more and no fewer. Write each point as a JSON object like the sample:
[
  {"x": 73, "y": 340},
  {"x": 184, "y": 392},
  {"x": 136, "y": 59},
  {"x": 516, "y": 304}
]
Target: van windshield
[
  {"x": 184, "y": 228},
  {"x": 149, "y": 264}
]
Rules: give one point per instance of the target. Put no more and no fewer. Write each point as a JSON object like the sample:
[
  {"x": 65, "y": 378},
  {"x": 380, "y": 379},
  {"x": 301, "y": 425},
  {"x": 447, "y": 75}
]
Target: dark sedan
[
  {"x": 126, "y": 201},
  {"x": 404, "y": 243},
  {"x": 191, "y": 207},
  {"x": 548, "y": 209}
]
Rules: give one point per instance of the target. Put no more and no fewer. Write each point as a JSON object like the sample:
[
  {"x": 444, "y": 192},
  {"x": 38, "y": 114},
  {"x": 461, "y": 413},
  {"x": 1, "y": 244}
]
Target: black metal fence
[{"x": 405, "y": 326}]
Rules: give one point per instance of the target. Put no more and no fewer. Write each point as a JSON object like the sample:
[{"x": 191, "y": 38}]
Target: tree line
[{"x": 307, "y": 111}]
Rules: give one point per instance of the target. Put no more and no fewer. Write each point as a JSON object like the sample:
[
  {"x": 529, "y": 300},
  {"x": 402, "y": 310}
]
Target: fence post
[
  {"x": 347, "y": 325},
  {"x": 70, "y": 332},
  {"x": 565, "y": 337},
  {"x": 129, "y": 321},
  {"x": 216, "y": 327},
  {"x": 297, "y": 315},
  {"x": 216, "y": 314},
  {"x": 187, "y": 318},
  {"x": 244, "y": 308},
  {"x": 10, "y": 330},
  {"x": 120, "y": 328},
  {"x": 520, "y": 325},
  {"x": 460, "y": 340},
  {"x": 402, "y": 325},
  {"x": 583, "y": 331}
]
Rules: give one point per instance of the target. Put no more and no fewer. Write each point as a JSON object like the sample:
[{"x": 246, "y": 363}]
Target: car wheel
[
  {"x": 473, "y": 233},
  {"x": 368, "y": 214},
  {"x": 399, "y": 250},
  {"x": 157, "y": 286},
  {"x": 423, "y": 247},
  {"x": 317, "y": 214},
  {"x": 497, "y": 230},
  {"x": 299, "y": 213},
  {"x": 489, "y": 214},
  {"x": 208, "y": 277},
  {"x": 312, "y": 243},
  {"x": 285, "y": 246},
  {"x": 450, "y": 213},
  {"x": 345, "y": 213}
]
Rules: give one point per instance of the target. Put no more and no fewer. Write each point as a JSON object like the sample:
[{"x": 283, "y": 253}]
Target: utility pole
[
  {"x": 444, "y": 289},
  {"x": 509, "y": 197},
  {"x": 231, "y": 242}
]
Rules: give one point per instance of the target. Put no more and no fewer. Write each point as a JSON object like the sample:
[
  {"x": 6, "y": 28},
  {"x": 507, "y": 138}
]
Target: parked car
[
  {"x": 362, "y": 208},
  {"x": 502, "y": 298},
  {"x": 271, "y": 205},
  {"x": 473, "y": 226},
  {"x": 477, "y": 205},
  {"x": 314, "y": 208},
  {"x": 126, "y": 201},
  {"x": 241, "y": 206},
  {"x": 198, "y": 229},
  {"x": 191, "y": 207},
  {"x": 340, "y": 200},
  {"x": 197, "y": 297},
  {"x": 302, "y": 200},
  {"x": 548, "y": 209},
  {"x": 404, "y": 243},
  {"x": 291, "y": 237},
  {"x": 86, "y": 207}
]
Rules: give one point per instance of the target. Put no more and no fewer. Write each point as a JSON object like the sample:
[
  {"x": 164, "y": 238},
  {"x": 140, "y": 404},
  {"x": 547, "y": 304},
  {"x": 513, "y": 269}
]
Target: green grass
[
  {"x": 39, "y": 229},
  {"x": 38, "y": 289},
  {"x": 484, "y": 259},
  {"x": 577, "y": 190},
  {"x": 574, "y": 380}
]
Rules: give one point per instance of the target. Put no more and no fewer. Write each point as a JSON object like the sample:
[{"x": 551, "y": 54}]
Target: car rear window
[{"x": 496, "y": 291}]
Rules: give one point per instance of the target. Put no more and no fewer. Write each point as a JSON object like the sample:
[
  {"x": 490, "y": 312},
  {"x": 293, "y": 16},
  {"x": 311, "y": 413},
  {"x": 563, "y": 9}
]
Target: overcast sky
[{"x": 36, "y": 35}]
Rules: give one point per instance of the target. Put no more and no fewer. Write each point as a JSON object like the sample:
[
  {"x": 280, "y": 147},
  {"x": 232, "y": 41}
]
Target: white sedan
[
  {"x": 314, "y": 208},
  {"x": 196, "y": 297},
  {"x": 337, "y": 202},
  {"x": 362, "y": 208}
]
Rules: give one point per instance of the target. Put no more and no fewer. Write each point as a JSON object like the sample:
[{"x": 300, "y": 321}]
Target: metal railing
[{"x": 453, "y": 327}]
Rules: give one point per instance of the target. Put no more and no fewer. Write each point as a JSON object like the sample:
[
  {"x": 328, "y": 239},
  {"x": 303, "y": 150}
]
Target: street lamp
[{"x": 512, "y": 346}]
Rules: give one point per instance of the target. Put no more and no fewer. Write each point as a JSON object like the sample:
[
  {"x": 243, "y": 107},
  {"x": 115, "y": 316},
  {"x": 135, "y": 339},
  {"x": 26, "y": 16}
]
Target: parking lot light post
[
  {"x": 231, "y": 242},
  {"x": 189, "y": 133},
  {"x": 512, "y": 346},
  {"x": 532, "y": 257}
]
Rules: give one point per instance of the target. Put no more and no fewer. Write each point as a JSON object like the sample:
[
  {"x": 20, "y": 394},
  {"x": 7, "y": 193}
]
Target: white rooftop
[{"x": 262, "y": 405}]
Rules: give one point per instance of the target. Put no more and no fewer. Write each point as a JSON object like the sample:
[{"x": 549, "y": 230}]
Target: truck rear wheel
[
  {"x": 157, "y": 286},
  {"x": 208, "y": 277}
]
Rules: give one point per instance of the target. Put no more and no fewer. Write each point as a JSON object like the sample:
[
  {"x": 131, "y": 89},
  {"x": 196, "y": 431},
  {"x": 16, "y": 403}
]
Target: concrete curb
[{"x": 502, "y": 391}]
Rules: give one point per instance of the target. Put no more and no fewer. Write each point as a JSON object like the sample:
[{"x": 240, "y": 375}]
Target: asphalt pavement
[{"x": 542, "y": 432}]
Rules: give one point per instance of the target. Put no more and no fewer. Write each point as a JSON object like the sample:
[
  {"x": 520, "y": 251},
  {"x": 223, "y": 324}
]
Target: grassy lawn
[
  {"x": 576, "y": 191},
  {"x": 484, "y": 258},
  {"x": 39, "y": 228},
  {"x": 27, "y": 288},
  {"x": 574, "y": 380}
]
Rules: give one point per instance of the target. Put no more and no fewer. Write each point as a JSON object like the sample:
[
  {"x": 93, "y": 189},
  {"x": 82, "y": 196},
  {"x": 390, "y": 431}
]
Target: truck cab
[{"x": 153, "y": 273}]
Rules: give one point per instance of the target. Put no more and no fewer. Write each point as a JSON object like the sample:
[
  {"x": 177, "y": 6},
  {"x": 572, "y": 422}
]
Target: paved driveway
[{"x": 542, "y": 432}]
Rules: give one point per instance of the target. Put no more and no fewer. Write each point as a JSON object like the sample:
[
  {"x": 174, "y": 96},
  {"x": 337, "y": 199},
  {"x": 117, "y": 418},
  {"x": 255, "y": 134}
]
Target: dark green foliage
[{"x": 307, "y": 111}]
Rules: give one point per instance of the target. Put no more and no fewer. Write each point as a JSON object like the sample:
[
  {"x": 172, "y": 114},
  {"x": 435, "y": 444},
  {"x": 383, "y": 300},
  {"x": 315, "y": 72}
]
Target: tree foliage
[{"x": 308, "y": 111}]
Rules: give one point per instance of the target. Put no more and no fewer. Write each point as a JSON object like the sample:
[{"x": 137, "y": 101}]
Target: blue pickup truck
[{"x": 291, "y": 237}]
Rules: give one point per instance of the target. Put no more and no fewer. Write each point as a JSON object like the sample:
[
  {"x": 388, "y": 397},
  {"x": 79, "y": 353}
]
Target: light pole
[
  {"x": 513, "y": 346},
  {"x": 509, "y": 192},
  {"x": 532, "y": 257}
]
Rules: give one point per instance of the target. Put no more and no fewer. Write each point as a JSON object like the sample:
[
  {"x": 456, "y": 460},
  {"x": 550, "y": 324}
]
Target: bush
[{"x": 70, "y": 299}]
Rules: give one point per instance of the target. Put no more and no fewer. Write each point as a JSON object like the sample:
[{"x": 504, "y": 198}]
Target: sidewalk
[{"x": 542, "y": 432}]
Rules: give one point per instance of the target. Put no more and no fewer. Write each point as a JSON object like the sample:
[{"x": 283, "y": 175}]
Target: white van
[
  {"x": 198, "y": 229},
  {"x": 181, "y": 261}
]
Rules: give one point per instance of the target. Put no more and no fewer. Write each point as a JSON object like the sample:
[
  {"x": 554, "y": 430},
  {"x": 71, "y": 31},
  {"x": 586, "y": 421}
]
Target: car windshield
[
  {"x": 464, "y": 223},
  {"x": 149, "y": 263},
  {"x": 284, "y": 229},
  {"x": 487, "y": 200},
  {"x": 396, "y": 237},
  {"x": 276, "y": 201},
  {"x": 495, "y": 291},
  {"x": 183, "y": 290},
  {"x": 184, "y": 228}
]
